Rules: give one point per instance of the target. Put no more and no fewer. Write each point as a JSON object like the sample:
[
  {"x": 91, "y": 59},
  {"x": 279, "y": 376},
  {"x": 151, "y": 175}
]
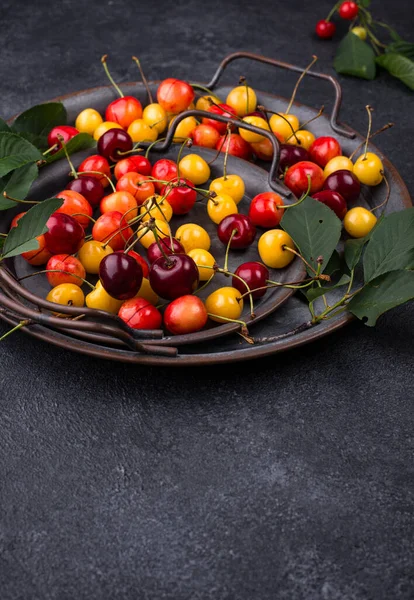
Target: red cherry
[
  {"x": 325, "y": 29},
  {"x": 137, "y": 185},
  {"x": 40, "y": 256},
  {"x": 223, "y": 110},
  {"x": 65, "y": 131},
  {"x": 323, "y": 149},
  {"x": 141, "y": 261},
  {"x": 65, "y": 235},
  {"x": 255, "y": 274},
  {"x": 113, "y": 143},
  {"x": 265, "y": 210},
  {"x": 136, "y": 164},
  {"x": 296, "y": 178},
  {"x": 173, "y": 277},
  {"x": 73, "y": 269},
  {"x": 290, "y": 155},
  {"x": 165, "y": 170},
  {"x": 108, "y": 225},
  {"x": 154, "y": 251},
  {"x": 244, "y": 228},
  {"x": 89, "y": 187},
  {"x": 348, "y": 10},
  {"x": 138, "y": 313},
  {"x": 97, "y": 164},
  {"x": 120, "y": 275},
  {"x": 344, "y": 182},
  {"x": 76, "y": 206},
  {"x": 334, "y": 200},
  {"x": 123, "y": 111},
  {"x": 236, "y": 144},
  {"x": 205, "y": 135},
  {"x": 174, "y": 95},
  {"x": 181, "y": 197},
  {"x": 186, "y": 314}
]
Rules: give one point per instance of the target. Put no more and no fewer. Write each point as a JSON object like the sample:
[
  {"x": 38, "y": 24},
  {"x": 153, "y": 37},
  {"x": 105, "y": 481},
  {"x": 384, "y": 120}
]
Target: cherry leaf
[
  {"x": 16, "y": 152},
  {"x": 398, "y": 66},
  {"x": 35, "y": 123},
  {"x": 17, "y": 184},
  {"x": 355, "y": 57},
  {"x": 79, "y": 142}
]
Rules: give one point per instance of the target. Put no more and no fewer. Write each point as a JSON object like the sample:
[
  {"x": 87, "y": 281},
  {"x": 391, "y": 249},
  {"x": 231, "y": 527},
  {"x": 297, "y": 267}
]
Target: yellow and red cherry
[
  {"x": 369, "y": 169},
  {"x": 89, "y": 187},
  {"x": 137, "y": 185},
  {"x": 205, "y": 262},
  {"x": 88, "y": 120},
  {"x": 334, "y": 200},
  {"x": 112, "y": 228},
  {"x": 156, "y": 207},
  {"x": 62, "y": 131},
  {"x": 96, "y": 166},
  {"x": 123, "y": 202},
  {"x": 255, "y": 276},
  {"x": 141, "y": 132},
  {"x": 221, "y": 206},
  {"x": 298, "y": 176},
  {"x": 272, "y": 247},
  {"x": 194, "y": 168},
  {"x": 180, "y": 195},
  {"x": 263, "y": 150},
  {"x": 120, "y": 275},
  {"x": 113, "y": 143},
  {"x": 99, "y": 299},
  {"x": 266, "y": 210},
  {"x": 344, "y": 182},
  {"x": 155, "y": 117},
  {"x": 175, "y": 95},
  {"x": 72, "y": 270},
  {"x": 348, "y": 10},
  {"x": 164, "y": 247},
  {"x": 359, "y": 221},
  {"x": 103, "y": 128},
  {"x": 236, "y": 146},
  {"x": 237, "y": 231},
  {"x": 138, "y": 313},
  {"x": 284, "y": 125},
  {"x": 232, "y": 185},
  {"x": 133, "y": 164},
  {"x": 174, "y": 276},
  {"x": 65, "y": 234},
  {"x": 242, "y": 99},
  {"x": 360, "y": 32},
  {"x": 205, "y": 135},
  {"x": 224, "y": 110},
  {"x": 186, "y": 314},
  {"x": 338, "y": 163},
  {"x": 76, "y": 206},
  {"x": 141, "y": 261},
  {"x": 249, "y": 136},
  {"x": 146, "y": 235},
  {"x": 291, "y": 155},
  {"x": 91, "y": 254},
  {"x": 163, "y": 170},
  {"x": 40, "y": 256},
  {"x": 124, "y": 111},
  {"x": 225, "y": 302},
  {"x": 324, "y": 149},
  {"x": 66, "y": 294},
  {"x": 191, "y": 236},
  {"x": 325, "y": 29},
  {"x": 184, "y": 128}
]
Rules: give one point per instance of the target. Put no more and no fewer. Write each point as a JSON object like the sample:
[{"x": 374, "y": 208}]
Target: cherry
[
  {"x": 113, "y": 142},
  {"x": 344, "y": 182},
  {"x": 290, "y": 155},
  {"x": 237, "y": 146},
  {"x": 175, "y": 95},
  {"x": 297, "y": 178},
  {"x": 219, "y": 109},
  {"x": 325, "y": 29},
  {"x": 137, "y": 164},
  {"x": 65, "y": 235},
  {"x": 323, "y": 149},
  {"x": 76, "y": 206},
  {"x": 244, "y": 235},
  {"x": 180, "y": 197},
  {"x": 255, "y": 274},
  {"x": 124, "y": 111},
  {"x": 186, "y": 314},
  {"x": 348, "y": 10},
  {"x": 164, "y": 246},
  {"x": 174, "y": 276},
  {"x": 100, "y": 167},
  {"x": 89, "y": 187},
  {"x": 65, "y": 131},
  {"x": 138, "y": 313},
  {"x": 205, "y": 135},
  {"x": 120, "y": 275},
  {"x": 165, "y": 170},
  {"x": 73, "y": 270},
  {"x": 141, "y": 261},
  {"x": 123, "y": 202},
  {"x": 108, "y": 225},
  {"x": 334, "y": 200},
  {"x": 265, "y": 210},
  {"x": 137, "y": 185}
]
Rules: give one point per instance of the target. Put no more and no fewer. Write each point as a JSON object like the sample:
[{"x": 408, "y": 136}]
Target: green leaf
[
  {"x": 4, "y": 126},
  {"x": 365, "y": 3},
  {"x": 36, "y": 123},
  {"x": 353, "y": 250},
  {"x": 391, "y": 246},
  {"x": 334, "y": 264},
  {"x": 398, "y": 66},
  {"x": 314, "y": 293},
  {"x": 314, "y": 228},
  {"x": 401, "y": 47},
  {"x": 355, "y": 57},
  {"x": 15, "y": 152},
  {"x": 17, "y": 184},
  {"x": 22, "y": 238},
  {"x": 82, "y": 141},
  {"x": 382, "y": 294}
]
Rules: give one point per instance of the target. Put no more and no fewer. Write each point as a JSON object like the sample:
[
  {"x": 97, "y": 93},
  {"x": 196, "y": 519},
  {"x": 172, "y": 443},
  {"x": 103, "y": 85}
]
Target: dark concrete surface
[{"x": 289, "y": 478}]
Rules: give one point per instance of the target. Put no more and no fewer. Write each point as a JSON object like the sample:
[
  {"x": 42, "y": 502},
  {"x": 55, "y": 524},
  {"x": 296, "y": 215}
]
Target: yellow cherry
[
  {"x": 141, "y": 132},
  {"x": 221, "y": 206},
  {"x": 204, "y": 103},
  {"x": 284, "y": 124},
  {"x": 359, "y": 221},
  {"x": 338, "y": 163},
  {"x": 249, "y": 136},
  {"x": 191, "y": 235},
  {"x": 155, "y": 116},
  {"x": 184, "y": 128},
  {"x": 147, "y": 237},
  {"x": 232, "y": 185},
  {"x": 88, "y": 120},
  {"x": 203, "y": 259},
  {"x": 302, "y": 138},
  {"x": 242, "y": 99},
  {"x": 369, "y": 169},
  {"x": 272, "y": 251},
  {"x": 225, "y": 302},
  {"x": 156, "y": 207},
  {"x": 194, "y": 168},
  {"x": 91, "y": 254},
  {"x": 101, "y": 300},
  {"x": 104, "y": 127}
]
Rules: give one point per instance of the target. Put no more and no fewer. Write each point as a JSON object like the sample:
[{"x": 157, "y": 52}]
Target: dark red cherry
[
  {"x": 113, "y": 143},
  {"x": 344, "y": 182},
  {"x": 65, "y": 131},
  {"x": 154, "y": 251},
  {"x": 90, "y": 188},
  {"x": 334, "y": 200},
  {"x": 290, "y": 155},
  {"x": 65, "y": 234},
  {"x": 120, "y": 275},
  {"x": 244, "y": 235},
  {"x": 180, "y": 197},
  {"x": 255, "y": 274},
  {"x": 174, "y": 276}
]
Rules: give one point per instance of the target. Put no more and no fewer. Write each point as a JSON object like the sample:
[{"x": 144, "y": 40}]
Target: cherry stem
[
  {"x": 157, "y": 239},
  {"x": 304, "y": 196},
  {"x": 65, "y": 150},
  {"x": 109, "y": 180},
  {"x": 220, "y": 149},
  {"x": 144, "y": 79},
  {"x": 183, "y": 145},
  {"x": 83, "y": 215},
  {"x": 320, "y": 111},
  {"x": 333, "y": 10},
  {"x": 206, "y": 283},
  {"x": 226, "y": 155},
  {"x": 369, "y": 111},
  {"x": 272, "y": 112},
  {"x": 324, "y": 277},
  {"x": 384, "y": 128},
  {"x": 197, "y": 86},
  {"x": 249, "y": 292},
  {"x": 58, "y": 271},
  {"x": 105, "y": 66},
  {"x": 385, "y": 202},
  {"x": 243, "y": 81},
  {"x": 295, "y": 89},
  {"x": 46, "y": 152},
  {"x": 5, "y": 194},
  {"x": 150, "y": 147},
  {"x": 16, "y": 328},
  {"x": 226, "y": 258},
  {"x": 228, "y": 319}
]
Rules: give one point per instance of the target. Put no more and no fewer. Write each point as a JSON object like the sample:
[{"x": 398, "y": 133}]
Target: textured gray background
[{"x": 287, "y": 478}]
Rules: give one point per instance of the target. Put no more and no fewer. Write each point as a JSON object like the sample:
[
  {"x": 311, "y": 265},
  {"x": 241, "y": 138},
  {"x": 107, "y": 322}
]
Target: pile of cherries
[
  {"x": 348, "y": 11},
  {"x": 145, "y": 197}
]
